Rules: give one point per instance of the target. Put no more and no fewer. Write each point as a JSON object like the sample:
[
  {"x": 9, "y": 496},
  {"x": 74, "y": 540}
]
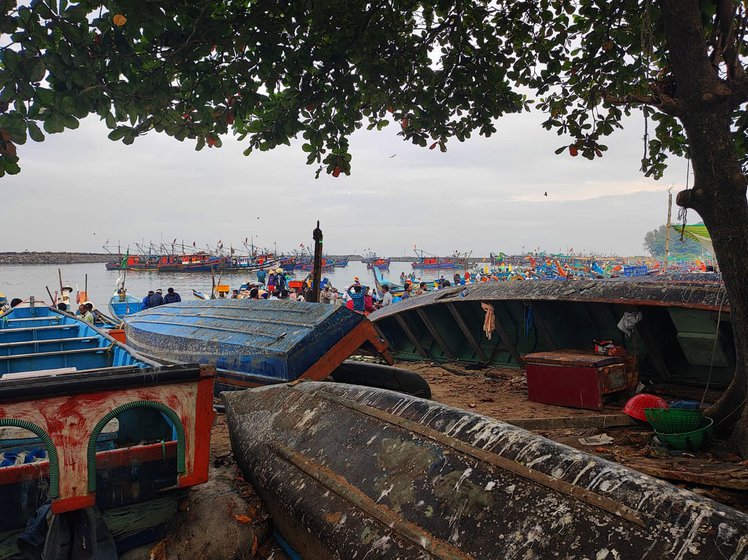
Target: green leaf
[
  {"x": 70, "y": 121},
  {"x": 67, "y": 105},
  {"x": 54, "y": 123},
  {"x": 36, "y": 69},
  {"x": 118, "y": 133},
  {"x": 15, "y": 124},
  {"x": 35, "y": 132}
]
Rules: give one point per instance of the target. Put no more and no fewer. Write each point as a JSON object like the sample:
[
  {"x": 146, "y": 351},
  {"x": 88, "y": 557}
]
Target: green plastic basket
[
  {"x": 674, "y": 420},
  {"x": 689, "y": 441}
]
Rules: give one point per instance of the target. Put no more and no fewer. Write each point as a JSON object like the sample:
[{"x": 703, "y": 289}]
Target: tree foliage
[
  {"x": 654, "y": 242},
  {"x": 272, "y": 71}
]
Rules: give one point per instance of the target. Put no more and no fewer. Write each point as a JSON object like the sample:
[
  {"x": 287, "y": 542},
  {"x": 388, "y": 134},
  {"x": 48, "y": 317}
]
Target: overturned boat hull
[
  {"x": 253, "y": 342},
  {"x": 350, "y": 472}
]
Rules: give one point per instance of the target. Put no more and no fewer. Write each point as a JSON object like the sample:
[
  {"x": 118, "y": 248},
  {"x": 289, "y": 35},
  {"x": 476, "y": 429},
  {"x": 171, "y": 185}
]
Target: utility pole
[
  {"x": 317, "y": 271},
  {"x": 667, "y": 231}
]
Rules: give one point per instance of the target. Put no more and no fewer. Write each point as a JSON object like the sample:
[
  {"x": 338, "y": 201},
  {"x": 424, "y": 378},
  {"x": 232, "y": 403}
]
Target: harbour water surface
[{"x": 23, "y": 281}]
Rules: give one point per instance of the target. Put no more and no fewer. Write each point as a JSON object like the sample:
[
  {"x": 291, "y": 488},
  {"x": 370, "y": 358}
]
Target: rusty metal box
[{"x": 575, "y": 378}]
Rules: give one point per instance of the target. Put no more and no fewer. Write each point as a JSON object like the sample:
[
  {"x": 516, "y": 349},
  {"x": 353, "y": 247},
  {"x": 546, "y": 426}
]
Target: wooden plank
[
  {"x": 559, "y": 422},
  {"x": 342, "y": 350},
  {"x": 409, "y": 333},
  {"x": 506, "y": 341},
  {"x": 466, "y": 331},
  {"x": 435, "y": 333}
]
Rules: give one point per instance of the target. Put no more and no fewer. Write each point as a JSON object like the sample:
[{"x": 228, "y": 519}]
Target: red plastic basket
[{"x": 635, "y": 406}]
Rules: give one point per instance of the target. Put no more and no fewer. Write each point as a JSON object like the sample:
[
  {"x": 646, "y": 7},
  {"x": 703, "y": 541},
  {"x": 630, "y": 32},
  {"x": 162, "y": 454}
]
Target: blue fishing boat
[
  {"x": 86, "y": 421},
  {"x": 254, "y": 342},
  {"x": 380, "y": 281},
  {"x": 122, "y": 304}
]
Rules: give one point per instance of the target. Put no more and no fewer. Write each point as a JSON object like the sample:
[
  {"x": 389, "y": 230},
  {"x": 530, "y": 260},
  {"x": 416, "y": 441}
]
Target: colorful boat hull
[{"x": 54, "y": 366}]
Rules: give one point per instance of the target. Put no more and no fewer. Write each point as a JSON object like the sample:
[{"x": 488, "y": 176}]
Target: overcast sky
[{"x": 78, "y": 189}]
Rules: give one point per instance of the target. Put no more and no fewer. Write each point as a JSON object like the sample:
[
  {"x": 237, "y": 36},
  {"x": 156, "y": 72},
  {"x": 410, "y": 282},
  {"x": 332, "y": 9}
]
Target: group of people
[{"x": 154, "y": 299}]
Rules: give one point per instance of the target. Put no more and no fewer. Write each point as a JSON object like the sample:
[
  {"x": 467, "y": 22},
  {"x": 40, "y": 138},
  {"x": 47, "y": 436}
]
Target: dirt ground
[{"x": 501, "y": 393}]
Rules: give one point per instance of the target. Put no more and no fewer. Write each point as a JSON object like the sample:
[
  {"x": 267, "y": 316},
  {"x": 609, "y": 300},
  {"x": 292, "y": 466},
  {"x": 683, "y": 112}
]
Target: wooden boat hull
[
  {"x": 684, "y": 334},
  {"x": 253, "y": 342},
  {"x": 349, "y": 472}
]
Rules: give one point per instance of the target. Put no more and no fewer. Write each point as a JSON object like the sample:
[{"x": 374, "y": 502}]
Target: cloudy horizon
[{"x": 483, "y": 195}]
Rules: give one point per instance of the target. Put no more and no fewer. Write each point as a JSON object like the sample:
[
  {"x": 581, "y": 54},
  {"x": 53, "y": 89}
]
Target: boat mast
[{"x": 667, "y": 232}]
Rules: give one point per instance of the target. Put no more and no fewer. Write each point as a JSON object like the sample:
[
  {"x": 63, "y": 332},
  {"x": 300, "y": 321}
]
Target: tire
[{"x": 382, "y": 377}]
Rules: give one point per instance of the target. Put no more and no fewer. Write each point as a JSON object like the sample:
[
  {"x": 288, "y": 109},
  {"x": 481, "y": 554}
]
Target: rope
[{"x": 714, "y": 348}]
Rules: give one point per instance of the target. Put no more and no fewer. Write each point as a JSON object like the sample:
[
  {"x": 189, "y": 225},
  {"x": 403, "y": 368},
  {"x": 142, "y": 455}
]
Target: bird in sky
[
  {"x": 393, "y": 155},
  {"x": 545, "y": 193}
]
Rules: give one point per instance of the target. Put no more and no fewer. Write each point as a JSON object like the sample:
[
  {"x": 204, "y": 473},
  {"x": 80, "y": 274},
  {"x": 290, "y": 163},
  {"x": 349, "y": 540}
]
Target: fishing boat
[
  {"x": 680, "y": 330},
  {"x": 379, "y": 262},
  {"x": 427, "y": 261},
  {"x": 122, "y": 304},
  {"x": 380, "y": 281},
  {"x": 353, "y": 472},
  {"x": 194, "y": 262},
  {"x": 371, "y": 259},
  {"x": 254, "y": 342},
  {"x": 84, "y": 421}
]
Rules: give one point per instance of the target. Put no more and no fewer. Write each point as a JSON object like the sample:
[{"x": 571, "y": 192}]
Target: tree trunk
[{"x": 719, "y": 191}]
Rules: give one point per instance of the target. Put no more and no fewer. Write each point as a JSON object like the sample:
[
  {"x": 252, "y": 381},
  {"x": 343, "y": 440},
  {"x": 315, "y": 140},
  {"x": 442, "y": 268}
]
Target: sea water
[{"x": 22, "y": 281}]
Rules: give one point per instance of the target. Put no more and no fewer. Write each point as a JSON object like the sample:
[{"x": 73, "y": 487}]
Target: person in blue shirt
[
  {"x": 357, "y": 296},
  {"x": 156, "y": 299},
  {"x": 172, "y": 296},
  {"x": 147, "y": 300}
]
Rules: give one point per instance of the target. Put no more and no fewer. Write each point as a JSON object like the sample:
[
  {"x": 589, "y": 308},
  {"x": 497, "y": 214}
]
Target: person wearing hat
[
  {"x": 156, "y": 299},
  {"x": 280, "y": 279},
  {"x": 356, "y": 281}
]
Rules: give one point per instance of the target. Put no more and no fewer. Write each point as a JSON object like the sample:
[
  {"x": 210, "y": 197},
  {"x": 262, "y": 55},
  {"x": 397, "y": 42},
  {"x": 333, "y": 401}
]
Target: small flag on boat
[{"x": 123, "y": 263}]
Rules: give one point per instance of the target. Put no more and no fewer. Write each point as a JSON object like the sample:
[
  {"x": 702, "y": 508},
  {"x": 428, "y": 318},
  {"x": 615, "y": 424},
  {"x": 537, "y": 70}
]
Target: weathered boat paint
[
  {"x": 674, "y": 342},
  {"x": 350, "y": 472},
  {"x": 253, "y": 342}
]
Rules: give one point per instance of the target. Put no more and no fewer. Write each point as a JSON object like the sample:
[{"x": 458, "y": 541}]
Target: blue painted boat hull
[
  {"x": 251, "y": 342},
  {"x": 120, "y": 308}
]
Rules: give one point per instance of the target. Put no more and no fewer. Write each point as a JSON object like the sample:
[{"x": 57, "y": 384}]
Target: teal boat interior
[
  {"x": 40, "y": 339},
  {"x": 683, "y": 334}
]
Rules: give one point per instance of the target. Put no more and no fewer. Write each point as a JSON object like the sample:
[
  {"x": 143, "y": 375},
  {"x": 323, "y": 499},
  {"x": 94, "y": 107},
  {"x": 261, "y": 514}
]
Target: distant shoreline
[
  {"x": 51, "y": 257},
  {"x": 59, "y": 257}
]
